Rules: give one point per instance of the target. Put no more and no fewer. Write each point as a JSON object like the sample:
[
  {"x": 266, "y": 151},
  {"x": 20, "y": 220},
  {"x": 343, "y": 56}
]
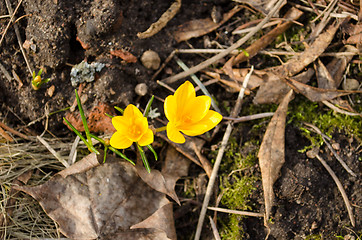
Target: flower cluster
[{"x": 186, "y": 113}]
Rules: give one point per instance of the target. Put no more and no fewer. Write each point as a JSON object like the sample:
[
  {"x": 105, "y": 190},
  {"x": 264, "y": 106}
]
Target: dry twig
[
  {"x": 340, "y": 188},
  {"x": 219, "y": 156},
  {"x": 244, "y": 213},
  {"x": 325, "y": 139},
  {"x": 226, "y": 51},
  {"x": 17, "y": 32},
  {"x": 55, "y": 154}
]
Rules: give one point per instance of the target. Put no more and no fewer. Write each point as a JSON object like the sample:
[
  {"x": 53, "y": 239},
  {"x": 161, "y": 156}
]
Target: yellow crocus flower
[
  {"x": 188, "y": 114},
  {"x": 131, "y": 127}
]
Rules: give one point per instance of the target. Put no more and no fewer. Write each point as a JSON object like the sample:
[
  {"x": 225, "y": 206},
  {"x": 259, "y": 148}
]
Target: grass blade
[
  {"x": 153, "y": 151},
  {"x": 144, "y": 159},
  {"x": 84, "y": 120},
  {"x": 90, "y": 146}
]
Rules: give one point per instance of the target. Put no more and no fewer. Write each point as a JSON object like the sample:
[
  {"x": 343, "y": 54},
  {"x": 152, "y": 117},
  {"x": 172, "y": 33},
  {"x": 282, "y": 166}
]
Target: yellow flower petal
[
  {"x": 184, "y": 93},
  {"x": 132, "y": 112},
  {"x": 120, "y": 141},
  {"x": 198, "y": 108},
  {"x": 120, "y": 123},
  {"x": 170, "y": 108},
  {"x": 211, "y": 119},
  {"x": 174, "y": 134},
  {"x": 146, "y": 139}
]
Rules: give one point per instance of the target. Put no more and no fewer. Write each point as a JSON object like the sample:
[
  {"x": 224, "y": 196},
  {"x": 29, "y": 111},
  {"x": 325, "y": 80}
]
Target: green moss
[
  {"x": 328, "y": 121},
  {"x": 236, "y": 185},
  {"x": 232, "y": 230},
  {"x": 314, "y": 237}
]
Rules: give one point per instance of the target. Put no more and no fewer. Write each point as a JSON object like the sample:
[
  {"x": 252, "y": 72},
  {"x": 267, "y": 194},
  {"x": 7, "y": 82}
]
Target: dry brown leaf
[
  {"x": 324, "y": 78},
  {"x": 199, "y": 27},
  {"x": 293, "y": 14},
  {"x": 159, "y": 220},
  {"x": 271, "y": 153},
  {"x": 175, "y": 167},
  {"x": 86, "y": 163},
  {"x": 274, "y": 89},
  {"x": 97, "y": 120},
  {"x": 262, "y": 5},
  {"x": 102, "y": 202},
  {"x": 298, "y": 63},
  {"x": 338, "y": 65},
  {"x": 124, "y": 55},
  {"x": 316, "y": 94}
]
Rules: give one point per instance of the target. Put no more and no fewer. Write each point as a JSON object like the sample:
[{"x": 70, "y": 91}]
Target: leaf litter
[
  {"x": 101, "y": 202},
  {"x": 85, "y": 181}
]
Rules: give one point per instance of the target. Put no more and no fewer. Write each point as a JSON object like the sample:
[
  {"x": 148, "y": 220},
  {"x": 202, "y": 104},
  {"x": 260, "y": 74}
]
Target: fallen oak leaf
[
  {"x": 271, "y": 152},
  {"x": 99, "y": 203}
]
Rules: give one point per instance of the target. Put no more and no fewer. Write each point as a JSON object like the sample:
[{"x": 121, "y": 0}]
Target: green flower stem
[
  {"x": 84, "y": 120},
  {"x": 105, "y": 153},
  {"x": 144, "y": 159},
  {"x": 90, "y": 146},
  {"x": 161, "y": 129},
  {"x": 106, "y": 147}
]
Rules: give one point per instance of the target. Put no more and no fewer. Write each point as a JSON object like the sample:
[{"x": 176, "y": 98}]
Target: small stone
[
  {"x": 141, "y": 89},
  {"x": 336, "y": 146},
  {"x": 313, "y": 152},
  {"x": 50, "y": 90},
  {"x": 350, "y": 84},
  {"x": 151, "y": 60}
]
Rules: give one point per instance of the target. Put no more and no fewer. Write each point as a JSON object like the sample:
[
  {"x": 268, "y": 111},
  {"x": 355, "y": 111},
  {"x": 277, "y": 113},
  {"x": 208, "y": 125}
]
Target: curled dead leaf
[{"x": 271, "y": 153}]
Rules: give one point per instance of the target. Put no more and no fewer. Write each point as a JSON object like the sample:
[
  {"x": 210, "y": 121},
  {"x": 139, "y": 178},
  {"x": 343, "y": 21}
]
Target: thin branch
[
  {"x": 244, "y": 213},
  {"x": 250, "y": 117},
  {"x": 325, "y": 139},
  {"x": 214, "y": 229},
  {"x": 13, "y": 131},
  {"x": 219, "y": 156},
  {"x": 17, "y": 32},
  {"x": 337, "y": 109},
  {"x": 10, "y": 21},
  {"x": 340, "y": 188},
  {"x": 226, "y": 51}
]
